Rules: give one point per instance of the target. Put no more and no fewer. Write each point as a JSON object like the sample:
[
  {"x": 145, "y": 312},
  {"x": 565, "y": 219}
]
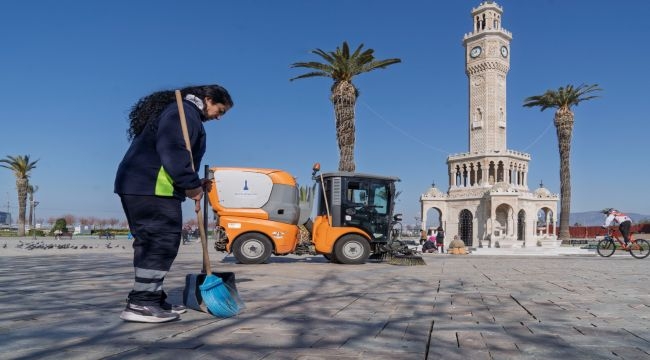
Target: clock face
[
  {"x": 504, "y": 51},
  {"x": 476, "y": 51}
]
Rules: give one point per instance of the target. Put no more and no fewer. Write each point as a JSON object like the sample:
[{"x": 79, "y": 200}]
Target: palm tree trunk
[
  {"x": 21, "y": 185},
  {"x": 344, "y": 99},
  {"x": 564, "y": 127}
]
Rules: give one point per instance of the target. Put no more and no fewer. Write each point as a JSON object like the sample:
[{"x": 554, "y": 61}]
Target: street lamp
[
  {"x": 34, "y": 204},
  {"x": 418, "y": 224}
]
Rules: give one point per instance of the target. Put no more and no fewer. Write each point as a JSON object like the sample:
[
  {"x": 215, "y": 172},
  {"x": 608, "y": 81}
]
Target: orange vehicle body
[
  {"x": 258, "y": 212},
  {"x": 238, "y": 221},
  {"x": 327, "y": 235},
  {"x": 284, "y": 236}
]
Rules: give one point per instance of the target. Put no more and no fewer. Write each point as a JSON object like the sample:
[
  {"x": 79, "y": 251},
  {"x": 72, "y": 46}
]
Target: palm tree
[
  {"x": 21, "y": 166},
  {"x": 305, "y": 193},
  {"x": 563, "y": 99},
  {"x": 341, "y": 66}
]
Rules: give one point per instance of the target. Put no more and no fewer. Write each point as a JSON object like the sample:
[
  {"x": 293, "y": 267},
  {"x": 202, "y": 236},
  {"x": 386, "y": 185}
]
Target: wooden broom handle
[
  {"x": 204, "y": 243},
  {"x": 199, "y": 214},
  {"x": 186, "y": 135}
]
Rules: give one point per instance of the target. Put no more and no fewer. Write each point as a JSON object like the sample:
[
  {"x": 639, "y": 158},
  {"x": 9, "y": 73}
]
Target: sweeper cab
[{"x": 347, "y": 217}]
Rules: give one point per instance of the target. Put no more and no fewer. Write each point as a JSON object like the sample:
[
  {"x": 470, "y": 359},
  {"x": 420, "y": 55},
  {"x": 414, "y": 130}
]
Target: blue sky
[{"x": 71, "y": 70}]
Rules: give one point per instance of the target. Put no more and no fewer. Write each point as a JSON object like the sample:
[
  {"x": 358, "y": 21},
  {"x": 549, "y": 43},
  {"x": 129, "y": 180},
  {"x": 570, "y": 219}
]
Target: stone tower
[
  {"x": 487, "y": 62},
  {"x": 488, "y": 198}
]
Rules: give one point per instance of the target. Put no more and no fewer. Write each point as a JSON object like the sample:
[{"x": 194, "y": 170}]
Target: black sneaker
[
  {"x": 147, "y": 314},
  {"x": 175, "y": 308}
]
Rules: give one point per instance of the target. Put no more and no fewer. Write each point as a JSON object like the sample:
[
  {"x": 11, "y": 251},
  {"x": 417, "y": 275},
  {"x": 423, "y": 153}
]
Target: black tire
[
  {"x": 252, "y": 248},
  {"x": 352, "y": 249},
  {"x": 641, "y": 249},
  {"x": 606, "y": 247}
]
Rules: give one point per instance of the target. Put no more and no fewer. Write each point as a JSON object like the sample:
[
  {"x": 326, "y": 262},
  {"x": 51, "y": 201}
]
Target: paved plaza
[{"x": 65, "y": 304}]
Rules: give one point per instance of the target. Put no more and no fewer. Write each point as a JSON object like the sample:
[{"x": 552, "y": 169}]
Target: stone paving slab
[{"x": 65, "y": 304}]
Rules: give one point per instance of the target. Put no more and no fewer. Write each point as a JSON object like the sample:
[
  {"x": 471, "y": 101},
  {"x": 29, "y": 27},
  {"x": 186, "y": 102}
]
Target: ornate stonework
[{"x": 488, "y": 196}]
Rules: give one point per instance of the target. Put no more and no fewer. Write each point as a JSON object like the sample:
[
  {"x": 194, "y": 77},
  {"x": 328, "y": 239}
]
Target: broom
[{"x": 220, "y": 299}]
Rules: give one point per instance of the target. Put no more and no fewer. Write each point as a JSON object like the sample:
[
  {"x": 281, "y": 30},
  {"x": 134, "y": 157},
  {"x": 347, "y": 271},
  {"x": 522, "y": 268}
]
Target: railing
[
  {"x": 590, "y": 232},
  {"x": 491, "y": 153}
]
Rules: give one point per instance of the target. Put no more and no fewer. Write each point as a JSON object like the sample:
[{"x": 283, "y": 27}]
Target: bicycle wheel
[
  {"x": 606, "y": 247},
  {"x": 640, "y": 249}
]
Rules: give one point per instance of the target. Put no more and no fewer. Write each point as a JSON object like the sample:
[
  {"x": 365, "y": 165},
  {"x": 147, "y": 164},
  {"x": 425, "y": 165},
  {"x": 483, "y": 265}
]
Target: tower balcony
[{"x": 476, "y": 155}]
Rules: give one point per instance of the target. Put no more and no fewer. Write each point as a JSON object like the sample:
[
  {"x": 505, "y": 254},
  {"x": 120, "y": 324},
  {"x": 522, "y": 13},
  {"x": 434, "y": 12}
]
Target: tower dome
[{"x": 543, "y": 193}]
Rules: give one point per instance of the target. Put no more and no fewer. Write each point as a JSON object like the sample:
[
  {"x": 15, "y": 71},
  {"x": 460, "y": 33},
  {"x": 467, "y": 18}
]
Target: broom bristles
[
  {"x": 408, "y": 260},
  {"x": 395, "y": 258},
  {"x": 221, "y": 300}
]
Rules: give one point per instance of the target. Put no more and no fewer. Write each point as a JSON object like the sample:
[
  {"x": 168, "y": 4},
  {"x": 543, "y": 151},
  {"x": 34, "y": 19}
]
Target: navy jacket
[{"x": 157, "y": 162}]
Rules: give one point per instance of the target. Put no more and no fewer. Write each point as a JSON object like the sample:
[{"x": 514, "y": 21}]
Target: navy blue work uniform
[{"x": 151, "y": 181}]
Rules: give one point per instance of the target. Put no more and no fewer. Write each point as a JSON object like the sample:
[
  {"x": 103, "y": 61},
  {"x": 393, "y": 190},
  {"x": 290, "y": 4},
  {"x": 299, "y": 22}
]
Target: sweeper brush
[
  {"x": 400, "y": 254},
  {"x": 407, "y": 260}
]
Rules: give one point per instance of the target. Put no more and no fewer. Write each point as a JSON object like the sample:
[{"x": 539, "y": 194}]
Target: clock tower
[
  {"x": 487, "y": 61},
  {"x": 488, "y": 201}
]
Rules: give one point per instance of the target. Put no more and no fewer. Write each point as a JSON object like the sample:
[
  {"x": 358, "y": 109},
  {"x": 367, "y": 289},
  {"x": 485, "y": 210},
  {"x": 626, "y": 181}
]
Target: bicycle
[{"x": 638, "y": 248}]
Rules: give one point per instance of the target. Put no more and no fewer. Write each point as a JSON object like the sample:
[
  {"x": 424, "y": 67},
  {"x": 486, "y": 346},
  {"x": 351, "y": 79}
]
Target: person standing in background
[
  {"x": 440, "y": 239},
  {"x": 423, "y": 236}
]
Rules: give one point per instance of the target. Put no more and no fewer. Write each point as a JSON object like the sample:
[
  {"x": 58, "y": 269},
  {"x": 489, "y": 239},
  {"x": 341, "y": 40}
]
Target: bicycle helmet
[{"x": 607, "y": 211}]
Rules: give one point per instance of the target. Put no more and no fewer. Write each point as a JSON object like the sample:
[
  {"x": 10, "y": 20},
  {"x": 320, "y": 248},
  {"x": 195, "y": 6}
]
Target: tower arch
[{"x": 521, "y": 225}]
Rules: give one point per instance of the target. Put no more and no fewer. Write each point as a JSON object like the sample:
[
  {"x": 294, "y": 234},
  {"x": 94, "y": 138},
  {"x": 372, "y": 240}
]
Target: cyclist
[{"x": 624, "y": 222}]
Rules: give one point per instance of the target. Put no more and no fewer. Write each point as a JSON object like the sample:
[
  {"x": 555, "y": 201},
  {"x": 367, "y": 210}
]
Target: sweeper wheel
[
  {"x": 351, "y": 249},
  {"x": 252, "y": 248}
]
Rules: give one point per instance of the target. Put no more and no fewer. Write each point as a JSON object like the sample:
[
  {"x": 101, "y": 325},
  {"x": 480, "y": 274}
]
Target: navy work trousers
[{"x": 156, "y": 224}]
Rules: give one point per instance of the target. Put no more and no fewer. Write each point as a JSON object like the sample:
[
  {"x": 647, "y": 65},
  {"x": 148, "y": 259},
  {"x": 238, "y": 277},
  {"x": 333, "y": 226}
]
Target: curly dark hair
[{"x": 147, "y": 109}]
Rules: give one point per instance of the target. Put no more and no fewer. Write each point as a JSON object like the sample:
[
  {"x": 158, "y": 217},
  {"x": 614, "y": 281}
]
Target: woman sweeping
[{"x": 153, "y": 179}]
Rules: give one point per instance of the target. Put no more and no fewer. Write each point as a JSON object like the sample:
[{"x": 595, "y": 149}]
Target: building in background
[
  {"x": 5, "y": 219},
  {"x": 488, "y": 202}
]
